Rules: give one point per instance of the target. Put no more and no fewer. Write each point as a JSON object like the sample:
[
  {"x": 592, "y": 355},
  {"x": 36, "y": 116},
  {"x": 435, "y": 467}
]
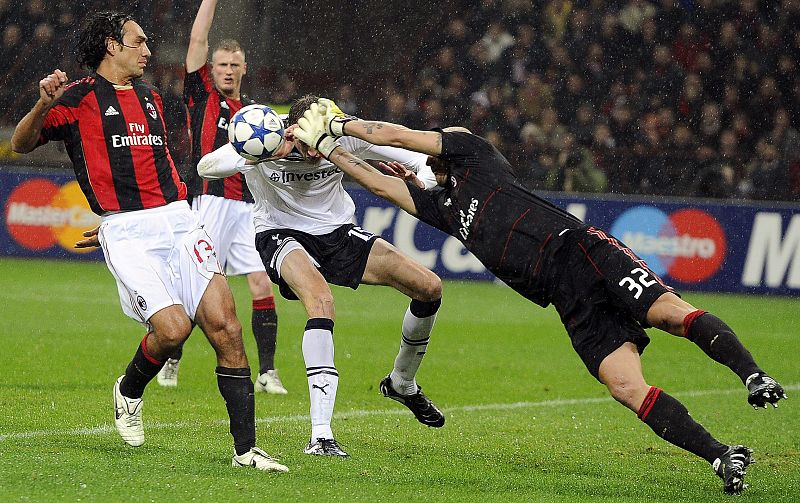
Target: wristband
[
  {"x": 336, "y": 126},
  {"x": 326, "y": 144}
]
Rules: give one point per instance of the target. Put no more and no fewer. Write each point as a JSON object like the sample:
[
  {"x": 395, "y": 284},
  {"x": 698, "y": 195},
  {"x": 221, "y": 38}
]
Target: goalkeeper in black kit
[{"x": 604, "y": 294}]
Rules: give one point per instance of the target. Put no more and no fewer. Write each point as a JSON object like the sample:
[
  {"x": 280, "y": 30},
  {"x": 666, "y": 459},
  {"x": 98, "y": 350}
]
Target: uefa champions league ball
[{"x": 256, "y": 132}]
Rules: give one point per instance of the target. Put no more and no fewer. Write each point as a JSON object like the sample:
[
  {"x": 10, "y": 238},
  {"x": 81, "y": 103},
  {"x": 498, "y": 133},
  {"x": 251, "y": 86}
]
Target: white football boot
[
  {"x": 128, "y": 417},
  {"x": 270, "y": 383},
  {"x": 168, "y": 375},
  {"x": 259, "y": 460}
]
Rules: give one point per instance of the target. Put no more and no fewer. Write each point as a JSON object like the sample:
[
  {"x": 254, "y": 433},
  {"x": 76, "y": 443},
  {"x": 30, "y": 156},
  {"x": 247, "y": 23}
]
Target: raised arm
[
  {"x": 197, "y": 54},
  {"x": 311, "y": 131},
  {"x": 26, "y": 134}
]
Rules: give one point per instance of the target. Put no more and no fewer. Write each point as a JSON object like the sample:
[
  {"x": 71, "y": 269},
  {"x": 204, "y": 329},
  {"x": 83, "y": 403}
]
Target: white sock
[
  {"x": 413, "y": 345},
  {"x": 323, "y": 379}
]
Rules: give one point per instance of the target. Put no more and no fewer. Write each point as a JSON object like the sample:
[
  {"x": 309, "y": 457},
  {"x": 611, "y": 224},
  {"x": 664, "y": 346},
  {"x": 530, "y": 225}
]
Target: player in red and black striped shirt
[
  {"x": 213, "y": 94},
  {"x": 603, "y": 292},
  {"x": 167, "y": 273}
]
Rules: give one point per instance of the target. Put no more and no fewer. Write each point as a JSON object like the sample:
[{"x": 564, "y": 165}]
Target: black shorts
[
  {"x": 340, "y": 256},
  {"x": 603, "y": 295}
]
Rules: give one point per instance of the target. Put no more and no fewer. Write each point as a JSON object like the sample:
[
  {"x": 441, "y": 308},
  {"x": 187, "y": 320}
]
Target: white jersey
[{"x": 305, "y": 196}]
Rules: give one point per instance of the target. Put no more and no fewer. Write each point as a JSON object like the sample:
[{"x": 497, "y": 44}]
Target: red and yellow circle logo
[{"x": 41, "y": 214}]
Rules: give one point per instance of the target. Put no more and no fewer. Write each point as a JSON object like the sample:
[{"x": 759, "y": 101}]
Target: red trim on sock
[
  {"x": 687, "y": 322},
  {"x": 649, "y": 401},
  {"x": 263, "y": 304},
  {"x": 146, "y": 354}
]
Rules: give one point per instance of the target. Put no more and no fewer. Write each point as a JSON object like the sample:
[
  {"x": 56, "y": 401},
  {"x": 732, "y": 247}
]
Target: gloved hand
[
  {"x": 311, "y": 130},
  {"x": 335, "y": 119}
]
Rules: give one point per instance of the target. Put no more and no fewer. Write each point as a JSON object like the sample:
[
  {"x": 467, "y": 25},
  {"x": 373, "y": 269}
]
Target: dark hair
[
  {"x": 92, "y": 42},
  {"x": 299, "y": 107}
]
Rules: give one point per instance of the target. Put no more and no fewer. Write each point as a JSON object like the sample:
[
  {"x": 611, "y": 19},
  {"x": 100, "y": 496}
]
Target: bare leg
[
  {"x": 216, "y": 316},
  {"x": 318, "y": 350}
]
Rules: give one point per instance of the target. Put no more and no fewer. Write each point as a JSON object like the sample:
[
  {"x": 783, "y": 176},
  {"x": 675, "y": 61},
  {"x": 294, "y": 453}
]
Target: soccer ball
[{"x": 256, "y": 132}]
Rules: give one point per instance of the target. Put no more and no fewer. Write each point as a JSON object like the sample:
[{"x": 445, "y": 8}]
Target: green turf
[{"x": 525, "y": 421}]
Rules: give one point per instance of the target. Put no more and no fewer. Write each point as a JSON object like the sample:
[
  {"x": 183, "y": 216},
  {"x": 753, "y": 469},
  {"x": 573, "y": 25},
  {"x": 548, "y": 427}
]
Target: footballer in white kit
[
  {"x": 293, "y": 193},
  {"x": 307, "y": 238}
]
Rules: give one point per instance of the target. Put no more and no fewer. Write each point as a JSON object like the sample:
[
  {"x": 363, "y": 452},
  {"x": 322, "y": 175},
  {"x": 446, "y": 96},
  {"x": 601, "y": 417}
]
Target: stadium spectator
[
  {"x": 284, "y": 91},
  {"x": 635, "y": 12},
  {"x": 33, "y": 14},
  {"x": 681, "y": 160},
  {"x": 785, "y": 137},
  {"x": 603, "y": 293},
  {"x": 556, "y": 17},
  {"x": 396, "y": 106},
  {"x": 606, "y": 158},
  {"x": 533, "y": 97},
  {"x": 582, "y": 124},
  {"x": 346, "y": 95},
  {"x": 715, "y": 180},
  {"x": 769, "y": 174},
  {"x": 496, "y": 40},
  {"x": 688, "y": 45},
  {"x": 213, "y": 95},
  {"x": 163, "y": 261},
  {"x": 10, "y": 52}
]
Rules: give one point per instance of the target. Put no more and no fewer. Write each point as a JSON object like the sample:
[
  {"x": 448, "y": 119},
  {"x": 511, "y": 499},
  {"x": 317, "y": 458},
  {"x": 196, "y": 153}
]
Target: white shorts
[
  {"x": 230, "y": 225},
  {"x": 160, "y": 257}
]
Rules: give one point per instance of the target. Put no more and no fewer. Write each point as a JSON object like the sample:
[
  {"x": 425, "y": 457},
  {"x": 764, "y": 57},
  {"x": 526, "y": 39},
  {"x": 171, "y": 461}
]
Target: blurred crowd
[
  {"x": 668, "y": 97},
  {"x": 698, "y": 98}
]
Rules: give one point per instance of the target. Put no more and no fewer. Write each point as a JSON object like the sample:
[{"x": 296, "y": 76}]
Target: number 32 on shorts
[{"x": 638, "y": 284}]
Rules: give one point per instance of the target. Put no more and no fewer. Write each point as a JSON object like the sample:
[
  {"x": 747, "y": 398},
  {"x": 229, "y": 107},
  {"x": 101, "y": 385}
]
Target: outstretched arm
[
  {"x": 394, "y": 135},
  {"x": 388, "y": 187},
  {"x": 221, "y": 163},
  {"x": 197, "y": 54}
]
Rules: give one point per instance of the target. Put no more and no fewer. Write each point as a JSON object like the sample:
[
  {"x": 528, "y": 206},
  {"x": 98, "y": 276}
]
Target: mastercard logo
[
  {"x": 688, "y": 245},
  {"x": 41, "y": 214}
]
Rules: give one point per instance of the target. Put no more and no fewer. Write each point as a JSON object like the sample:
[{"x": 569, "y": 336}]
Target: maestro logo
[
  {"x": 40, "y": 214},
  {"x": 688, "y": 245}
]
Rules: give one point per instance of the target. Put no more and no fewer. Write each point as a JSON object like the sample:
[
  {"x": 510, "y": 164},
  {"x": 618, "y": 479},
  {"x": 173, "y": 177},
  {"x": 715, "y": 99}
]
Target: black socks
[
  {"x": 141, "y": 370},
  {"x": 719, "y": 342},
  {"x": 265, "y": 331},
  {"x": 236, "y": 389},
  {"x": 670, "y": 420}
]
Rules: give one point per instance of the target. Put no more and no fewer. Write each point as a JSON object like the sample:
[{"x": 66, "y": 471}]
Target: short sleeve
[
  {"x": 56, "y": 124},
  {"x": 458, "y": 145},
  {"x": 426, "y": 203},
  {"x": 197, "y": 86}
]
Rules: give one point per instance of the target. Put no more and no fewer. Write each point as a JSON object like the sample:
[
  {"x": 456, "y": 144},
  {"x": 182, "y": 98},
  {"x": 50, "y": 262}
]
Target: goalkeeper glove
[
  {"x": 335, "y": 119},
  {"x": 311, "y": 131}
]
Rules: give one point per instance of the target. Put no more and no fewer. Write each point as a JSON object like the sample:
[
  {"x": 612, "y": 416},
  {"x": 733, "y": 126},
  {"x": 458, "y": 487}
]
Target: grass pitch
[{"x": 525, "y": 421}]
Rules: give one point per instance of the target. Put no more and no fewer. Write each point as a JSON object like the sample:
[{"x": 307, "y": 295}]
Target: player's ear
[
  {"x": 244, "y": 68},
  {"x": 112, "y": 46}
]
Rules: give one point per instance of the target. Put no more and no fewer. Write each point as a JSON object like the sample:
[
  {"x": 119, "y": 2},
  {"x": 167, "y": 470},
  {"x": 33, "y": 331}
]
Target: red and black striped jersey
[
  {"x": 209, "y": 114},
  {"x": 117, "y": 142},
  {"x": 511, "y": 230}
]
